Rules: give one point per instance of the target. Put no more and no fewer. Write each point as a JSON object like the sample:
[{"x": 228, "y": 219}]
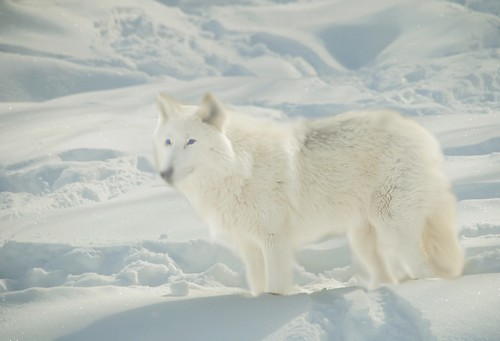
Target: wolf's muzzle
[{"x": 167, "y": 175}]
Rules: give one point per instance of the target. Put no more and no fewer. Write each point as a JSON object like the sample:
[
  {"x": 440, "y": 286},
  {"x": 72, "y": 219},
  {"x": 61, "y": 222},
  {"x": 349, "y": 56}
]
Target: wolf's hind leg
[
  {"x": 363, "y": 241},
  {"x": 402, "y": 241}
]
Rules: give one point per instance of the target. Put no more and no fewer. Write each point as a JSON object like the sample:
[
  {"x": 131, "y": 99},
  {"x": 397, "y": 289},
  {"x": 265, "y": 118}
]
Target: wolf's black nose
[{"x": 167, "y": 174}]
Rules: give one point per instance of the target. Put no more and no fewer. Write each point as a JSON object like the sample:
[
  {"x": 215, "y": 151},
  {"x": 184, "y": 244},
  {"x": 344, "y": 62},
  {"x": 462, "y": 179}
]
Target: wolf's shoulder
[{"x": 241, "y": 126}]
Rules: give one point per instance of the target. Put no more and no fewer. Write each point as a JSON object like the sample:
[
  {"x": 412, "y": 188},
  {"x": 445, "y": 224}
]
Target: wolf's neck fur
[{"x": 212, "y": 189}]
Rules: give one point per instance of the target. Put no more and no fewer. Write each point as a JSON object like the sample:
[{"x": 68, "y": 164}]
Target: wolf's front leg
[
  {"x": 252, "y": 256},
  {"x": 278, "y": 259}
]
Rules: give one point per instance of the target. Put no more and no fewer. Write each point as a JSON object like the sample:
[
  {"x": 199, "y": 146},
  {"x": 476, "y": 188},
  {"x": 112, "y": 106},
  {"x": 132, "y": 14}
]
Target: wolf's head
[{"x": 190, "y": 142}]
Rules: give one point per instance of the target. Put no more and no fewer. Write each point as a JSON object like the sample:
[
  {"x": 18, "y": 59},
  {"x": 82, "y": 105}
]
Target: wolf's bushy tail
[{"x": 440, "y": 240}]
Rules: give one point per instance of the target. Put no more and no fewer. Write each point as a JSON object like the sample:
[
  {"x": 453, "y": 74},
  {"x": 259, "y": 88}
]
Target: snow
[{"x": 94, "y": 246}]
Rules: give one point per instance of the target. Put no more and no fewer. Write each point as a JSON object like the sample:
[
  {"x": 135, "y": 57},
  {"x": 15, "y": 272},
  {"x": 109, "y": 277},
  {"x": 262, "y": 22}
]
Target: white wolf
[{"x": 269, "y": 187}]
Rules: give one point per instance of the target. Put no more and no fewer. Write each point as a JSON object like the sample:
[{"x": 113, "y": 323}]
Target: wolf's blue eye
[
  {"x": 190, "y": 141},
  {"x": 168, "y": 142}
]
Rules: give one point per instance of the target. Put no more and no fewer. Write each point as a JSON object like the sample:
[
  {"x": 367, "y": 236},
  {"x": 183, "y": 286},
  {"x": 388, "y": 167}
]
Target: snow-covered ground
[{"x": 93, "y": 246}]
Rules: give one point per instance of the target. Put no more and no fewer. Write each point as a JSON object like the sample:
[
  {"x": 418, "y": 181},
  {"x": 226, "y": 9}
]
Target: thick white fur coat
[{"x": 270, "y": 187}]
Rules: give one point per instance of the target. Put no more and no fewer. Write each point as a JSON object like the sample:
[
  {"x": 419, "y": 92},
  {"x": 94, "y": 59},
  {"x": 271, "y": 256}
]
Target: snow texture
[{"x": 93, "y": 246}]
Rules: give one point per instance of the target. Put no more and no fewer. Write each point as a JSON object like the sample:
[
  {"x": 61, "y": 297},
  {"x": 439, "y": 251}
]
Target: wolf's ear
[
  {"x": 169, "y": 107},
  {"x": 212, "y": 112}
]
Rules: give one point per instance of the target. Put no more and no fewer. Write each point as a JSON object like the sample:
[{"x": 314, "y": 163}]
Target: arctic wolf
[{"x": 269, "y": 187}]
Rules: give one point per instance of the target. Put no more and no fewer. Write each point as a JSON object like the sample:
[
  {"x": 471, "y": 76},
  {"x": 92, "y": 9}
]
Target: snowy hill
[{"x": 94, "y": 246}]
